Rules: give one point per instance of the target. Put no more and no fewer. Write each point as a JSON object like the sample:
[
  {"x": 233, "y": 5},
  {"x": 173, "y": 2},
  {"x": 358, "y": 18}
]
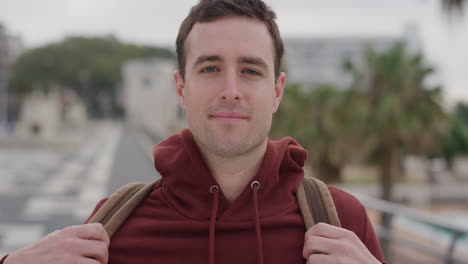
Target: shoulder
[
  {"x": 350, "y": 210},
  {"x": 345, "y": 202},
  {"x": 124, "y": 193}
]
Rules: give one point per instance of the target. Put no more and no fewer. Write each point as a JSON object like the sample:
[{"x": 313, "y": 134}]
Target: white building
[
  {"x": 47, "y": 116},
  {"x": 150, "y": 97},
  {"x": 40, "y": 116},
  {"x": 311, "y": 61}
]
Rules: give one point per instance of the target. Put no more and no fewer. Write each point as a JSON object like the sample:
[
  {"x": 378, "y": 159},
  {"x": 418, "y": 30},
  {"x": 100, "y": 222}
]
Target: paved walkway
[{"x": 45, "y": 189}]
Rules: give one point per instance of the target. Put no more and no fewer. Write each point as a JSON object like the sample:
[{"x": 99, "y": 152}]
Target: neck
[{"x": 233, "y": 174}]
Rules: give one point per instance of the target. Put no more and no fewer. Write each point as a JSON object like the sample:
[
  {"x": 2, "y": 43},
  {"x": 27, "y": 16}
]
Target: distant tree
[
  {"x": 461, "y": 111},
  {"x": 456, "y": 142},
  {"x": 90, "y": 66},
  {"x": 405, "y": 114}
]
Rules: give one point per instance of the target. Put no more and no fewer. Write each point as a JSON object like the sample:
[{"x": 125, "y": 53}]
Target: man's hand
[
  {"x": 327, "y": 244},
  {"x": 82, "y": 244}
]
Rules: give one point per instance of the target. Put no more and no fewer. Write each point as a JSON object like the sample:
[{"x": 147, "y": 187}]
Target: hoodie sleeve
[{"x": 353, "y": 216}]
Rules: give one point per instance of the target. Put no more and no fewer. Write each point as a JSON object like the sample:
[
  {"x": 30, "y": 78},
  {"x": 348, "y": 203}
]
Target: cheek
[
  {"x": 196, "y": 98},
  {"x": 266, "y": 101}
]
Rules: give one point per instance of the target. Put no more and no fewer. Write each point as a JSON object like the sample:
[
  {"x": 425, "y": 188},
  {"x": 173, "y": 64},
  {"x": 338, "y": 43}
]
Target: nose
[{"x": 231, "y": 90}]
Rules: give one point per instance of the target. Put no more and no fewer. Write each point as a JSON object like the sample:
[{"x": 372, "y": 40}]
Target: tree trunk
[
  {"x": 387, "y": 161},
  {"x": 399, "y": 166}
]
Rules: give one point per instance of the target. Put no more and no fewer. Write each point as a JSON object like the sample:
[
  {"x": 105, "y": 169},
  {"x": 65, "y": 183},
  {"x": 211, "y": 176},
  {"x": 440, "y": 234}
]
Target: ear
[
  {"x": 180, "y": 88},
  {"x": 279, "y": 90}
]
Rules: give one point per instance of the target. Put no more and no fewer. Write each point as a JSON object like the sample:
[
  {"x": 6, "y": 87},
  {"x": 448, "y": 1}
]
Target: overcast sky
[{"x": 156, "y": 22}]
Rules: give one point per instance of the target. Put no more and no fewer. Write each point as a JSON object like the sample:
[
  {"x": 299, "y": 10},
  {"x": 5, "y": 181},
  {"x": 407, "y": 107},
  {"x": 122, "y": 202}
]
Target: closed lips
[{"x": 228, "y": 115}]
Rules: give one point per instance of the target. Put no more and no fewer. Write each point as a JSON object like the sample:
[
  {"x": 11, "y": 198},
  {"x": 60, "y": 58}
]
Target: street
[{"x": 43, "y": 190}]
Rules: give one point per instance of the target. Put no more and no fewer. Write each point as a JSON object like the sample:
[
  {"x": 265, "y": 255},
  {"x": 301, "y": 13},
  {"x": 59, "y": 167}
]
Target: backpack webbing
[
  {"x": 314, "y": 199},
  {"x": 316, "y": 203}
]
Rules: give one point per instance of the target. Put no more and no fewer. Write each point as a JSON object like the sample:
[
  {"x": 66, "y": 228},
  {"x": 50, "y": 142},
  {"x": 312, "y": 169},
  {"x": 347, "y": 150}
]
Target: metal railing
[{"x": 387, "y": 235}]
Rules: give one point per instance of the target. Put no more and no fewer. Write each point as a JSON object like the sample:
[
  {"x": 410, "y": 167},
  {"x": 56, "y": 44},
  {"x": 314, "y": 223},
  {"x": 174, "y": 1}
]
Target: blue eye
[
  {"x": 209, "y": 69},
  {"x": 251, "y": 72}
]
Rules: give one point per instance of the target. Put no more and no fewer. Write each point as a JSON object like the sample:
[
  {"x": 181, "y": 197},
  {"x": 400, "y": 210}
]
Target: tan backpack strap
[
  {"x": 316, "y": 203},
  {"x": 120, "y": 205}
]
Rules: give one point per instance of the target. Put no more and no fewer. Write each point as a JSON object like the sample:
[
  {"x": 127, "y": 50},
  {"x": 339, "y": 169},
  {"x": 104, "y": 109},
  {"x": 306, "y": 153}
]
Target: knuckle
[
  {"x": 312, "y": 259},
  {"x": 308, "y": 233},
  {"x": 106, "y": 254},
  {"x": 311, "y": 241},
  {"x": 348, "y": 233},
  {"x": 313, "y": 230},
  {"x": 320, "y": 224},
  {"x": 320, "y": 227},
  {"x": 102, "y": 248},
  {"x": 97, "y": 226},
  {"x": 91, "y": 227}
]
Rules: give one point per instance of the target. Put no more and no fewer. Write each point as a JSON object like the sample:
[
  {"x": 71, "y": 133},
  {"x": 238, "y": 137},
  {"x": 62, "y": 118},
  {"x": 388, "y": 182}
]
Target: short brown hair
[{"x": 211, "y": 10}]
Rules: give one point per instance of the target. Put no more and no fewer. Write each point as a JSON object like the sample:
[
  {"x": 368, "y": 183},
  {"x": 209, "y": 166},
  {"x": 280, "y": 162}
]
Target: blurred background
[{"x": 377, "y": 92}]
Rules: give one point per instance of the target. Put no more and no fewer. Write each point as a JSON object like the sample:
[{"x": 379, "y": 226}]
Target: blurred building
[
  {"x": 47, "y": 115},
  {"x": 11, "y": 47},
  {"x": 150, "y": 97},
  {"x": 314, "y": 60}
]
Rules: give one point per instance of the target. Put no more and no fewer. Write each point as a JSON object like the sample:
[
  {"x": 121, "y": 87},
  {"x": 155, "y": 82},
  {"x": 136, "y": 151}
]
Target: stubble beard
[{"x": 232, "y": 147}]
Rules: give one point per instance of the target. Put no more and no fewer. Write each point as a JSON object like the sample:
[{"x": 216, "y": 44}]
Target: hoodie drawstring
[
  {"x": 214, "y": 213},
  {"x": 214, "y": 190},
  {"x": 257, "y": 221}
]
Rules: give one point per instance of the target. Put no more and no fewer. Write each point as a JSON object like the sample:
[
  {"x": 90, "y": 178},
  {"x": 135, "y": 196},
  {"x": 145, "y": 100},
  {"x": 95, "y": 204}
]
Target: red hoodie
[{"x": 181, "y": 221}]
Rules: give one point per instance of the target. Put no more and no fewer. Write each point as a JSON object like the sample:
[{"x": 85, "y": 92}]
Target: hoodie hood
[{"x": 187, "y": 179}]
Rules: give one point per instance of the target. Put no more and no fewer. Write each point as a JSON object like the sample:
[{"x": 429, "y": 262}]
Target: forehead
[{"x": 230, "y": 37}]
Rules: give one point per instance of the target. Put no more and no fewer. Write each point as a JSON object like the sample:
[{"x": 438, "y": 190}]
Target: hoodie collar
[{"x": 187, "y": 179}]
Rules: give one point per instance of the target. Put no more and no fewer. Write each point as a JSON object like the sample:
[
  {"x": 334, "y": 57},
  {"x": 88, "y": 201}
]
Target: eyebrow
[
  {"x": 242, "y": 60},
  {"x": 253, "y": 60},
  {"x": 207, "y": 58}
]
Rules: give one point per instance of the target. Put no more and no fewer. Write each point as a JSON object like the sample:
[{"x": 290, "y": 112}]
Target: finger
[
  {"x": 326, "y": 230},
  {"x": 90, "y": 231},
  {"x": 319, "y": 259},
  {"x": 318, "y": 245},
  {"x": 97, "y": 250}
]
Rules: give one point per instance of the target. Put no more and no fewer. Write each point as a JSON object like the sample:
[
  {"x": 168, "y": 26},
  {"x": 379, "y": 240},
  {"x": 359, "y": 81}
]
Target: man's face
[{"x": 229, "y": 91}]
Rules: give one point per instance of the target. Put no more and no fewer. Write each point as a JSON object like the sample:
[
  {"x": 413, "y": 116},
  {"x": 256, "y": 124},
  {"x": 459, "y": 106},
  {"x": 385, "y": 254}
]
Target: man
[{"x": 228, "y": 192}]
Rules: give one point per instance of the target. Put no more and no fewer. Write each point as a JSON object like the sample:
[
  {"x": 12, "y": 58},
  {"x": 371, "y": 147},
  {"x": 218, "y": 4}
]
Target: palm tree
[
  {"x": 327, "y": 122},
  {"x": 456, "y": 142},
  {"x": 404, "y": 113}
]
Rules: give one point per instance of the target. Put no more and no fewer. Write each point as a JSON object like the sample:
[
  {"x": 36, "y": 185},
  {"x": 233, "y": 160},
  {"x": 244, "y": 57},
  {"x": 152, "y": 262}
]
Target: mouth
[{"x": 228, "y": 117}]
